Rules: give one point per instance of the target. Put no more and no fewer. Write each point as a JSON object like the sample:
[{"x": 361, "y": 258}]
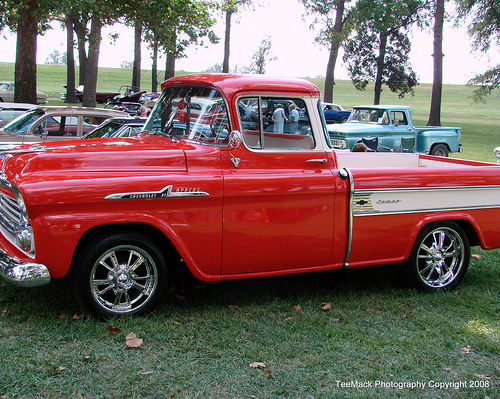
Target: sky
[{"x": 292, "y": 44}]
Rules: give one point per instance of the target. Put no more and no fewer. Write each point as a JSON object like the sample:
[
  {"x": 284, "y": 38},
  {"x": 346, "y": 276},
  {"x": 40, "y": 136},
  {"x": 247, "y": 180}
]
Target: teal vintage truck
[{"x": 390, "y": 128}]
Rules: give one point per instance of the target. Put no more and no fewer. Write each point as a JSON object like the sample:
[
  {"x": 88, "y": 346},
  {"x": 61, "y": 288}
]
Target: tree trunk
[
  {"x": 170, "y": 66},
  {"x": 92, "y": 67},
  {"x": 437, "y": 85},
  {"x": 154, "y": 71},
  {"x": 227, "y": 37},
  {"x": 70, "y": 62},
  {"x": 334, "y": 52},
  {"x": 380, "y": 68},
  {"x": 136, "y": 71},
  {"x": 25, "y": 69},
  {"x": 81, "y": 31}
]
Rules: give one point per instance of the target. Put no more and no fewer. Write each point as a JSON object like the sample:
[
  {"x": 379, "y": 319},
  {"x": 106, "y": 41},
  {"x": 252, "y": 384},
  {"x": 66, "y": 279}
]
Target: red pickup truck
[{"x": 230, "y": 180}]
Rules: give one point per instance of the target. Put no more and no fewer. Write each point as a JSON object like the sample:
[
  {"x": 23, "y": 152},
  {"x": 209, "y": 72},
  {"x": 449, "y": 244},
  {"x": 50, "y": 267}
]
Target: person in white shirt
[
  {"x": 294, "y": 119},
  {"x": 279, "y": 119}
]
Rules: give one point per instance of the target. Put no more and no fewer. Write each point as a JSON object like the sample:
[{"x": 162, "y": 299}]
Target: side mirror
[{"x": 234, "y": 142}]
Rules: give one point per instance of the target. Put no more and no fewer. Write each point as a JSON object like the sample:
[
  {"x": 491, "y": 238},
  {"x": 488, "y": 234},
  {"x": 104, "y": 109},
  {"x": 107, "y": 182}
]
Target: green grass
[{"x": 201, "y": 341}]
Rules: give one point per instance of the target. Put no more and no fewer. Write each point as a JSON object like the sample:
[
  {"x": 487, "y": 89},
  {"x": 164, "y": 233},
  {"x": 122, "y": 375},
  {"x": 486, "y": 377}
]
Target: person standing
[
  {"x": 279, "y": 119},
  {"x": 294, "y": 119}
]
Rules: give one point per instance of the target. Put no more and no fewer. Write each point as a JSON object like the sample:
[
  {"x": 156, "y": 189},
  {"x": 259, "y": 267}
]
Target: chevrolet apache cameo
[{"x": 234, "y": 177}]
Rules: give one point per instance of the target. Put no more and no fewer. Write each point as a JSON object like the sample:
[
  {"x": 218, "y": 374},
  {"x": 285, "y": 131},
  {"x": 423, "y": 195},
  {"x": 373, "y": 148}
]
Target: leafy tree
[
  {"x": 56, "y": 58},
  {"x": 173, "y": 25},
  {"x": 484, "y": 30},
  {"x": 27, "y": 18},
  {"x": 262, "y": 56},
  {"x": 379, "y": 48},
  {"x": 230, "y": 7},
  {"x": 331, "y": 14}
]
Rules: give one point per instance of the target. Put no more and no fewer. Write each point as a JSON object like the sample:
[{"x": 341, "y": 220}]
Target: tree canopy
[
  {"x": 378, "y": 48},
  {"x": 484, "y": 30}
]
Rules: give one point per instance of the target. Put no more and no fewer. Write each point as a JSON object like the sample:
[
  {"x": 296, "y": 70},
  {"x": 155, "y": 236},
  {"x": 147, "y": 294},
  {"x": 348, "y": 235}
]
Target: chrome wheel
[
  {"x": 439, "y": 258},
  {"x": 123, "y": 279},
  {"x": 121, "y": 273}
]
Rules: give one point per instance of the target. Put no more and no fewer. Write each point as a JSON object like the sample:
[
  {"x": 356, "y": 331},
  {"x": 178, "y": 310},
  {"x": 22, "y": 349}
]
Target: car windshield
[
  {"x": 106, "y": 129},
  {"x": 190, "y": 113},
  {"x": 21, "y": 124},
  {"x": 369, "y": 115}
]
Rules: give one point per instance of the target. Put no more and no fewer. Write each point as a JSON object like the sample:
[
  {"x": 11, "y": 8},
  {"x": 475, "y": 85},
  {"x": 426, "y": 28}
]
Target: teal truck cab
[{"x": 390, "y": 128}]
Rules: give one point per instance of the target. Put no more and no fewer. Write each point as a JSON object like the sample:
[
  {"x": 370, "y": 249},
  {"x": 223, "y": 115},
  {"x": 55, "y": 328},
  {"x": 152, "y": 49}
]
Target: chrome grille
[{"x": 10, "y": 214}]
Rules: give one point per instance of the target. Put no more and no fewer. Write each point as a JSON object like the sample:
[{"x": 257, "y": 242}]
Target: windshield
[
  {"x": 369, "y": 115},
  {"x": 21, "y": 124},
  {"x": 104, "y": 130},
  {"x": 190, "y": 113}
]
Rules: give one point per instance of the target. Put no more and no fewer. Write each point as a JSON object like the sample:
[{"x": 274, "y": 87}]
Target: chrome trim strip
[
  {"x": 350, "y": 215},
  {"x": 4, "y": 182},
  {"x": 368, "y": 202},
  {"x": 23, "y": 274},
  {"x": 164, "y": 193}
]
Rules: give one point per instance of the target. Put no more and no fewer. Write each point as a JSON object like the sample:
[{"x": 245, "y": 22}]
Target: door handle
[{"x": 318, "y": 160}]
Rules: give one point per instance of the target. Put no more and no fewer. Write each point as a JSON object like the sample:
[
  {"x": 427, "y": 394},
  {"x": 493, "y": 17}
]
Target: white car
[
  {"x": 10, "y": 111},
  {"x": 7, "y": 93}
]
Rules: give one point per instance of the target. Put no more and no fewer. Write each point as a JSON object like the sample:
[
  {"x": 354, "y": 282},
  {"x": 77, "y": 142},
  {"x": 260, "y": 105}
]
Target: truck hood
[
  {"x": 97, "y": 155},
  {"x": 355, "y": 129}
]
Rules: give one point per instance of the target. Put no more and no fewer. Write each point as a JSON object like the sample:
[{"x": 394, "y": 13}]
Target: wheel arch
[
  {"x": 466, "y": 223},
  {"x": 158, "y": 237}
]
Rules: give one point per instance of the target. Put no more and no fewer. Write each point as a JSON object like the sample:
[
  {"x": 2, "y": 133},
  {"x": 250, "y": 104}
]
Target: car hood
[
  {"x": 354, "y": 129},
  {"x": 80, "y": 157}
]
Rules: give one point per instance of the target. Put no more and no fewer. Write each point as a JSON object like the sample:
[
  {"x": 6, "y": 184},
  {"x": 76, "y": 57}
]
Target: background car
[
  {"x": 10, "y": 111},
  {"x": 101, "y": 97},
  {"x": 53, "y": 123},
  {"x": 335, "y": 113},
  {"x": 7, "y": 93},
  {"x": 117, "y": 127}
]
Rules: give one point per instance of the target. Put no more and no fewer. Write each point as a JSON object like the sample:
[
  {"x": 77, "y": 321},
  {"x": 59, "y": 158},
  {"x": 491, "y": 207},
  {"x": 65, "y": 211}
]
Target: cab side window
[{"x": 275, "y": 123}]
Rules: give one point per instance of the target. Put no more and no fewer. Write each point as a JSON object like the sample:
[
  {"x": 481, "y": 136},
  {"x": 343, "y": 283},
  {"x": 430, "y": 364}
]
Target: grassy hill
[{"x": 480, "y": 123}]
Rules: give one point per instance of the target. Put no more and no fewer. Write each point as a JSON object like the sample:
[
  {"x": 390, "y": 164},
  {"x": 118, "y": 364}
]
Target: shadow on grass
[{"x": 56, "y": 299}]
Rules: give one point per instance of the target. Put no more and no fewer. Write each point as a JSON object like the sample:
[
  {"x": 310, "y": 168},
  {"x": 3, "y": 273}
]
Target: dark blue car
[{"x": 335, "y": 113}]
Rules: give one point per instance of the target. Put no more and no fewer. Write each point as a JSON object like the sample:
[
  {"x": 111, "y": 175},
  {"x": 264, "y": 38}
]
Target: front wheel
[
  {"x": 120, "y": 274},
  {"x": 439, "y": 258}
]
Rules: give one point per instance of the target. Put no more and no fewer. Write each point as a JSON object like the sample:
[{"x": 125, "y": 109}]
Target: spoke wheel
[
  {"x": 439, "y": 258},
  {"x": 123, "y": 279},
  {"x": 120, "y": 274}
]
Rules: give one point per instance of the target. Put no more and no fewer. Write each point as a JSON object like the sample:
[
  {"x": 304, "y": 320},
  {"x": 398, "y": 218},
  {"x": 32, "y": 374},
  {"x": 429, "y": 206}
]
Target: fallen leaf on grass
[
  {"x": 85, "y": 356},
  {"x": 466, "y": 349},
  {"x": 131, "y": 341},
  {"x": 5, "y": 311},
  {"x": 297, "y": 308},
  {"x": 114, "y": 330},
  {"x": 181, "y": 298},
  {"x": 233, "y": 307},
  {"x": 268, "y": 373},
  {"x": 62, "y": 316},
  {"x": 77, "y": 317},
  {"x": 258, "y": 365},
  {"x": 326, "y": 306},
  {"x": 476, "y": 256},
  {"x": 144, "y": 372}
]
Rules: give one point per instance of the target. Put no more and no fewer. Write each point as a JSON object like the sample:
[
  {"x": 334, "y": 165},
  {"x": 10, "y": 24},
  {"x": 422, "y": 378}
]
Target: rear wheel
[
  {"x": 439, "y": 150},
  {"x": 120, "y": 274},
  {"x": 439, "y": 258}
]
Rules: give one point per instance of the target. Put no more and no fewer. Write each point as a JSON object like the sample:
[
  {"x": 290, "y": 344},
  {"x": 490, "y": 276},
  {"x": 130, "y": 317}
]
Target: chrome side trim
[
  {"x": 23, "y": 274},
  {"x": 167, "y": 192},
  {"x": 349, "y": 216},
  {"x": 4, "y": 182},
  {"x": 432, "y": 199}
]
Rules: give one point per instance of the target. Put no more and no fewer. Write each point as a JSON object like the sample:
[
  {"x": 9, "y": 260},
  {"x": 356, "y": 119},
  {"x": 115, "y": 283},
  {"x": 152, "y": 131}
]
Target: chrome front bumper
[{"x": 23, "y": 274}]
